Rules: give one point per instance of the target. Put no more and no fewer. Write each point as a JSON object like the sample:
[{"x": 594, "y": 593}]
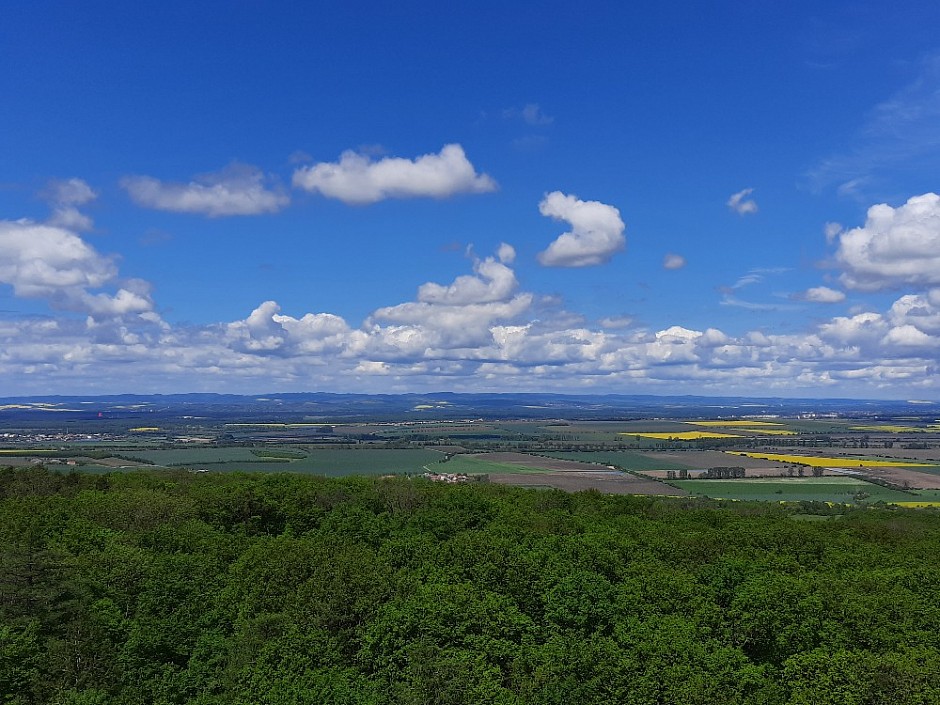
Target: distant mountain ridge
[{"x": 454, "y": 405}]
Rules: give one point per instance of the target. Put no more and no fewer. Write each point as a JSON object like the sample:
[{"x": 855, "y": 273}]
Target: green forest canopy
[{"x": 173, "y": 587}]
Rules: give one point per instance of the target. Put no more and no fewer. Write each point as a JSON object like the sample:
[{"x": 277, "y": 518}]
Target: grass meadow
[{"x": 845, "y": 490}]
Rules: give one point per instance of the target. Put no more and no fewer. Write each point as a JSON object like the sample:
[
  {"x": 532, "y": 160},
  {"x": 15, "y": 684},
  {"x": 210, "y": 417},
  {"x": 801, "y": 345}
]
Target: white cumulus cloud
[
  {"x": 70, "y": 192},
  {"x": 741, "y": 204},
  {"x": 831, "y": 231},
  {"x": 457, "y": 315},
  {"x": 858, "y": 330},
  {"x": 492, "y": 281},
  {"x": 475, "y": 332},
  {"x": 596, "y": 232},
  {"x": 42, "y": 261},
  {"x": 895, "y": 247},
  {"x": 268, "y": 331},
  {"x": 506, "y": 345},
  {"x": 909, "y": 336},
  {"x": 70, "y": 218},
  {"x": 358, "y": 180},
  {"x": 64, "y": 196},
  {"x": 673, "y": 261},
  {"x": 616, "y": 322},
  {"x": 821, "y": 295},
  {"x": 506, "y": 253},
  {"x": 921, "y": 311},
  {"x": 236, "y": 190},
  {"x": 38, "y": 260},
  {"x": 135, "y": 298}
]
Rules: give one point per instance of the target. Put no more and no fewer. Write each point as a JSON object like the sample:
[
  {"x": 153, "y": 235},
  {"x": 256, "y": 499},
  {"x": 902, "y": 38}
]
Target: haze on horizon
[{"x": 373, "y": 198}]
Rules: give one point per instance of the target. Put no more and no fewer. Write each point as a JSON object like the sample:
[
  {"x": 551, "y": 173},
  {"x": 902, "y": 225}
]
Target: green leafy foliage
[{"x": 173, "y": 587}]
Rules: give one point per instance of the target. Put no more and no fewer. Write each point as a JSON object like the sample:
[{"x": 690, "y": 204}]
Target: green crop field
[
  {"x": 479, "y": 466},
  {"x": 328, "y": 461},
  {"x": 821, "y": 489},
  {"x": 365, "y": 461},
  {"x": 628, "y": 460},
  {"x": 195, "y": 456}
]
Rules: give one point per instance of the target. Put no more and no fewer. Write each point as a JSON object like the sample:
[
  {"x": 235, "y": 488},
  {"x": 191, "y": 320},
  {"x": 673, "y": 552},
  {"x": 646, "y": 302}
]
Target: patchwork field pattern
[
  {"x": 523, "y": 469},
  {"x": 683, "y": 435},
  {"x": 829, "y": 462}
]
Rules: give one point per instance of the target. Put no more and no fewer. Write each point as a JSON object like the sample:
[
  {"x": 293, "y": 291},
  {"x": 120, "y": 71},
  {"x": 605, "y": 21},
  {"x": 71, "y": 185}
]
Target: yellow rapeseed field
[
  {"x": 683, "y": 435},
  {"x": 27, "y": 451},
  {"x": 144, "y": 429},
  {"x": 822, "y": 462}
]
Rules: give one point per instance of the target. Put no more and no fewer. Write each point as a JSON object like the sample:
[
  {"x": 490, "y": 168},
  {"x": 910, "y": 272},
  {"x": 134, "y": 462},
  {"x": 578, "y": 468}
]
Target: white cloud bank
[
  {"x": 478, "y": 332},
  {"x": 237, "y": 190},
  {"x": 596, "y": 232},
  {"x": 475, "y": 345},
  {"x": 358, "y": 180}
]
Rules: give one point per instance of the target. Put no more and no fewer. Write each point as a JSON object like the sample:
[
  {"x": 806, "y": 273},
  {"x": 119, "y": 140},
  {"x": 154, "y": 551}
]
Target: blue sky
[{"x": 700, "y": 198}]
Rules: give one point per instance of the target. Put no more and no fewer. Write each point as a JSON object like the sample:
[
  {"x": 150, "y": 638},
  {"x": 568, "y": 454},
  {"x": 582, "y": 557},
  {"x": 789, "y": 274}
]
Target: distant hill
[{"x": 448, "y": 405}]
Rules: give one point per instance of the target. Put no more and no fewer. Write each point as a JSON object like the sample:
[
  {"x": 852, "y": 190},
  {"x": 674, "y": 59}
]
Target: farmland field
[
  {"x": 479, "y": 465},
  {"x": 705, "y": 459},
  {"x": 906, "y": 477},
  {"x": 748, "y": 428},
  {"x": 926, "y": 455},
  {"x": 530, "y": 449},
  {"x": 613, "y": 431},
  {"x": 607, "y": 482},
  {"x": 366, "y": 461},
  {"x": 888, "y": 429},
  {"x": 524, "y": 470},
  {"x": 741, "y": 423},
  {"x": 540, "y": 462},
  {"x": 821, "y": 489},
  {"x": 331, "y": 462},
  {"x": 681, "y": 435},
  {"x": 765, "y": 431},
  {"x": 628, "y": 460},
  {"x": 27, "y": 451},
  {"x": 195, "y": 456},
  {"x": 830, "y": 462}
]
